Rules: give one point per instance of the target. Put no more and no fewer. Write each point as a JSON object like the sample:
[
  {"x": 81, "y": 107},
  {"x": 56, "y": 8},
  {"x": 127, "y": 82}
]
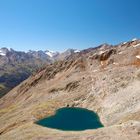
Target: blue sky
[{"x": 60, "y": 24}]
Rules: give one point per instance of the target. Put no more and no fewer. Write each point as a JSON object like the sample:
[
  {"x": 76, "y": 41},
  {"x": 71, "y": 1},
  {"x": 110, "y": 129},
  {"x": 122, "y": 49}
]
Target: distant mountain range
[
  {"x": 43, "y": 55},
  {"x": 16, "y": 66}
]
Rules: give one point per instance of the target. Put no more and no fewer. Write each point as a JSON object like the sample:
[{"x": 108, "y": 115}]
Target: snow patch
[
  {"x": 50, "y": 53},
  {"x": 134, "y": 39},
  {"x": 138, "y": 56},
  {"x": 76, "y": 51},
  {"x": 124, "y": 43},
  {"x": 2, "y": 53}
]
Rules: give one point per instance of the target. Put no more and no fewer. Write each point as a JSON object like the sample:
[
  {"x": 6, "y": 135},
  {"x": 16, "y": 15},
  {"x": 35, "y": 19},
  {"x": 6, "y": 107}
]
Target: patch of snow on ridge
[
  {"x": 2, "y": 53},
  {"x": 138, "y": 56},
  {"x": 76, "y": 51},
  {"x": 124, "y": 43},
  {"x": 134, "y": 39},
  {"x": 51, "y": 53}
]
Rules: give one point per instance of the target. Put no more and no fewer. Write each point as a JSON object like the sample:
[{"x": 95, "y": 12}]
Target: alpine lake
[{"x": 72, "y": 119}]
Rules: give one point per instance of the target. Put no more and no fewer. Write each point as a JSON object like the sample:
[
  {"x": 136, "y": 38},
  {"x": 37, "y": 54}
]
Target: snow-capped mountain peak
[
  {"x": 76, "y": 51},
  {"x": 51, "y": 53},
  {"x": 3, "y": 51}
]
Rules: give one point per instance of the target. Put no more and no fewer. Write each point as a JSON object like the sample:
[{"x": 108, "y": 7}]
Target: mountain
[
  {"x": 16, "y": 66},
  {"x": 66, "y": 53},
  {"x": 3, "y": 51},
  {"x": 52, "y": 54},
  {"x": 104, "y": 79},
  {"x": 43, "y": 54}
]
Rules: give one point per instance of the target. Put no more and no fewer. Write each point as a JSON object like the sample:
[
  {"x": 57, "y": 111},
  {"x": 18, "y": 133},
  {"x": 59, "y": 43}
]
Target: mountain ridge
[{"x": 16, "y": 66}]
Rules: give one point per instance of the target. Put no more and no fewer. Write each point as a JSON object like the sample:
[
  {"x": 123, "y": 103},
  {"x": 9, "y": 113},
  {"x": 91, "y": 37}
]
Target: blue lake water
[{"x": 71, "y": 118}]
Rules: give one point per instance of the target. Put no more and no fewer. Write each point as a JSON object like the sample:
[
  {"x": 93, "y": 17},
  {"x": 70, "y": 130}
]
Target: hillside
[
  {"x": 16, "y": 66},
  {"x": 104, "y": 79}
]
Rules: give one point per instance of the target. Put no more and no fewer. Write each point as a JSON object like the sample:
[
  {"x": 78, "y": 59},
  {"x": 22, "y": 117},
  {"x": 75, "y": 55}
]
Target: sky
[{"x": 61, "y": 24}]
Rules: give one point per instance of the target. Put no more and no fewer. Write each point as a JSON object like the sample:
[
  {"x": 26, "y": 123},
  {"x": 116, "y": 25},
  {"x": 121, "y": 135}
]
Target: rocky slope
[
  {"x": 105, "y": 79},
  {"x": 16, "y": 66}
]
